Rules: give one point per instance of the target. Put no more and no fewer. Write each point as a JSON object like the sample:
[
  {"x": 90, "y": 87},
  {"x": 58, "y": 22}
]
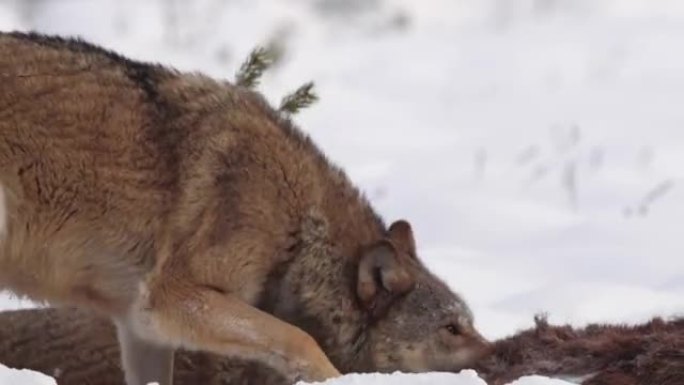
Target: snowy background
[{"x": 537, "y": 146}]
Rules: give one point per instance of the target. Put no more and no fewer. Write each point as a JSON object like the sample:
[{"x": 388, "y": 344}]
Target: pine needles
[
  {"x": 252, "y": 69},
  {"x": 257, "y": 63},
  {"x": 301, "y": 98}
]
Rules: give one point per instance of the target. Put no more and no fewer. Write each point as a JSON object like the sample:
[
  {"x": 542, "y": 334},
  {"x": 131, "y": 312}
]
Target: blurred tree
[{"x": 27, "y": 10}]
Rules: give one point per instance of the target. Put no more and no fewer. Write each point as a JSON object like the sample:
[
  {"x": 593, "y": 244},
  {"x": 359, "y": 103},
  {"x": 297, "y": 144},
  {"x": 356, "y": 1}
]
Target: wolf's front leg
[
  {"x": 143, "y": 361},
  {"x": 196, "y": 317}
]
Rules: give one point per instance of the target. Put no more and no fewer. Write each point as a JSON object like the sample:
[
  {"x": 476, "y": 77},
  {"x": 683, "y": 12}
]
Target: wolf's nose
[{"x": 487, "y": 347}]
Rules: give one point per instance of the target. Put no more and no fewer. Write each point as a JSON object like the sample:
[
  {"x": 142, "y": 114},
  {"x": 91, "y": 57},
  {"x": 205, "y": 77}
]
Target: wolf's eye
[{"x": 453, "y": 329}]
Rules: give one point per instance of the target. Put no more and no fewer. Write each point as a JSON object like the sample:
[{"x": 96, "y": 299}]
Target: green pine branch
[
  {"x": 301, "y": 98},
  {"x": 258, "y": 61}
]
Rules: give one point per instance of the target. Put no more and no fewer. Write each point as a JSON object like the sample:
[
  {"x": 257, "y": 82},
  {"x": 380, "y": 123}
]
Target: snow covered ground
[
  {"x": 537, "y": 146},
  {"x": 465, "y": 377},
  {"x": 23, "y": 377}
]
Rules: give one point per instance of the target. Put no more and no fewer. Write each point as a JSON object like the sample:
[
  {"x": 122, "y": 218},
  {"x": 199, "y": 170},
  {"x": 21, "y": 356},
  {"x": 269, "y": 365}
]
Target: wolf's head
[
  {"x": 416, "y": 323},
  {"x": 380, "y": 311}
]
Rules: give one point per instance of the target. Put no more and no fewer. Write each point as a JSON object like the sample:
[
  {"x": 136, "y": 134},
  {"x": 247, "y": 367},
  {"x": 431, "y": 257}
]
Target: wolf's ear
[
  {"x": 381, "y": 277},
  {"x": 401, "y": 234}
]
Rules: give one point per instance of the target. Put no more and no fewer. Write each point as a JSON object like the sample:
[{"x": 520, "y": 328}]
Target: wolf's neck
[
  {"x": 351, "y": 221},
  {"x": 316, "y": 292}
]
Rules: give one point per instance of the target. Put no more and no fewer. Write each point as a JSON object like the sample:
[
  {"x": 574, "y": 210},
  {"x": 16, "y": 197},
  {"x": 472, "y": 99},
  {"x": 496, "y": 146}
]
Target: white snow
[
  {"x": 540, "y": 380},
  {"x": 537, "y": 146},
  {"x": 23, "y": 377},
  {"x": 465, "y": 377}
]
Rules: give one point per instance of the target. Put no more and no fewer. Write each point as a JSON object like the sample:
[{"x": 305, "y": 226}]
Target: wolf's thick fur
[{"x": 193, "y": 215}]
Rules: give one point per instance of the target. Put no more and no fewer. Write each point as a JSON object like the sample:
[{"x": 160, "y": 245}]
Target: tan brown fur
[{"x": 195, "y": 216}]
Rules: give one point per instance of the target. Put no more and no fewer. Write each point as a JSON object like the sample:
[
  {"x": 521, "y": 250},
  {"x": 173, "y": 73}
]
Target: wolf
[{"x": 194, "y": 215}]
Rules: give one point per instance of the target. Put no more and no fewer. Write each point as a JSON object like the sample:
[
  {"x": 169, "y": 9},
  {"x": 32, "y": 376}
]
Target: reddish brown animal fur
[
  {"x": 648, "y": 354},
  {"x": 193, "y": 215}
]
